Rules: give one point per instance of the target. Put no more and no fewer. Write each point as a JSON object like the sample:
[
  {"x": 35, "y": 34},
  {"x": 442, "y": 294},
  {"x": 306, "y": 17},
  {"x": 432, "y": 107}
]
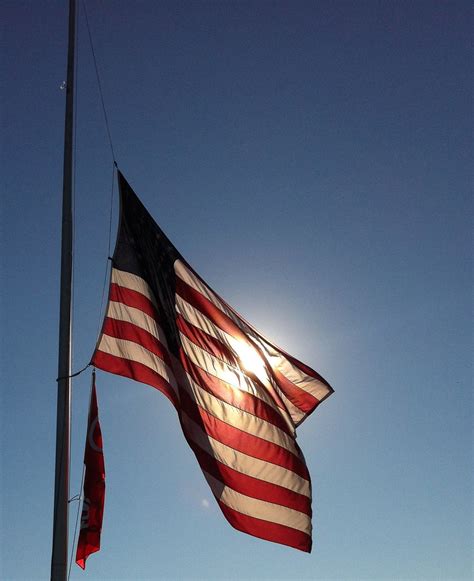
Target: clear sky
[{"x": 312, "y": 161}]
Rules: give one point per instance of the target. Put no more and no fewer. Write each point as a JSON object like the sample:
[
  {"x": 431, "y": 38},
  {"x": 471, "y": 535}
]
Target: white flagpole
[{"x": 59, "y": 559}]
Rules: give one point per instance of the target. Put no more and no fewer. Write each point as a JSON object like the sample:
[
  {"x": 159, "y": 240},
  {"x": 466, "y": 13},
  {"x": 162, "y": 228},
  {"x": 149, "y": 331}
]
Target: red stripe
[
  {"x": 132, "y": 298},
  {"x": 298, "y": 397},
  {"x": 205, "y": 341},
  {"x": 266, "y": 530},
  {"x": 239, "y": 399},
  {"x": 304, "y": 368},
  {"x": 136, "y": 371},
  {"x": 240, "y": 440},
  {"x": 249, "y": 485},
  {"x": 200, "y": 302},
  {"x": 130, "y": 332}
]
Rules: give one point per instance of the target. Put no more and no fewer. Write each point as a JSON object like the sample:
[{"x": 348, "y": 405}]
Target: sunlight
[{"x": 250, "y": 359}]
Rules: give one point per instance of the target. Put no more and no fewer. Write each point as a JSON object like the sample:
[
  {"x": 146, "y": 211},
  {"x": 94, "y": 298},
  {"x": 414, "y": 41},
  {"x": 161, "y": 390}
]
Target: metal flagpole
[{"x": 59, "y": 559}]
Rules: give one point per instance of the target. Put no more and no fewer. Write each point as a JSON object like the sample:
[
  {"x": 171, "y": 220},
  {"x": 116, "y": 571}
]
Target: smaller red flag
[{"x": 94, "y": 486}]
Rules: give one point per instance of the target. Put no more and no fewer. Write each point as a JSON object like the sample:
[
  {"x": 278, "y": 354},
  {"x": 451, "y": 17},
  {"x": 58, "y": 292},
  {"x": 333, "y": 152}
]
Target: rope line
[
  {"x": 111, "y": 206},
  {"x": 79, "y": 504},
  {"x": 98, "y": 81},
  {"x": 73, "y": 374},
  {"x": 106, "y": 271},
  {"x": 79, "y": 510}
]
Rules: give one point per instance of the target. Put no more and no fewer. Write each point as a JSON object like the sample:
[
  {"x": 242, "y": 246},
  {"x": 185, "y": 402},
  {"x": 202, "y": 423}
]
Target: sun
[{"x": 250, "y": 359}]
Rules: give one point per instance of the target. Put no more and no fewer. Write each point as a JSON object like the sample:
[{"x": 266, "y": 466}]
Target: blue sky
[{"x": 312, "y": 161}]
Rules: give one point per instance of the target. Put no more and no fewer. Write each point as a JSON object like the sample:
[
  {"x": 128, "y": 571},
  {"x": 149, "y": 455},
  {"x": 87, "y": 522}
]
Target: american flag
[{"x": 239, "y": 397}]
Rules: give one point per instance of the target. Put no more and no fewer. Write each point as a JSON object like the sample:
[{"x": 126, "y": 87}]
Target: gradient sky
[{"x": 312, "y": 161}]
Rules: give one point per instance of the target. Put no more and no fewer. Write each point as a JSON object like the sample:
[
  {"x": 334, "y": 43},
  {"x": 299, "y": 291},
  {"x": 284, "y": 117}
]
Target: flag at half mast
[{"x": 239, "y": 397}]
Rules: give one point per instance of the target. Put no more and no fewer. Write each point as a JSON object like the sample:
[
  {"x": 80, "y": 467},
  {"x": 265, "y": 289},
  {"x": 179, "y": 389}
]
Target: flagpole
[{"x": 59, "y": 559}]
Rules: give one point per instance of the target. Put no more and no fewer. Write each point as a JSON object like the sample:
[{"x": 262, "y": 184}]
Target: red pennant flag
[{"x": 94, "y": 486}]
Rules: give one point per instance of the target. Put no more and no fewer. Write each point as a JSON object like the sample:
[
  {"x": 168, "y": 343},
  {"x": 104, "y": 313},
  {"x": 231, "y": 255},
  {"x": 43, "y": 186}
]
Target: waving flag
[
  {"x": 239, "y": 397},
  {"x": 94, "y": 486}
]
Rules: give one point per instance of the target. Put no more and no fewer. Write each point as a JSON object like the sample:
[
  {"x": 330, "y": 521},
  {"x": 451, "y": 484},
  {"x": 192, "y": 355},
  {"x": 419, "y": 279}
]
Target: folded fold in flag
[
  {"x": 94, "y": 486},
  {"x": 238, "y": 396}
]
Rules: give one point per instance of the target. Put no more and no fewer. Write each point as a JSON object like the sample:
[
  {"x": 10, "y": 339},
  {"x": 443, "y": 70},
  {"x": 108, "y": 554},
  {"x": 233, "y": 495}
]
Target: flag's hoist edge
[{"x": 239, "y": 398}]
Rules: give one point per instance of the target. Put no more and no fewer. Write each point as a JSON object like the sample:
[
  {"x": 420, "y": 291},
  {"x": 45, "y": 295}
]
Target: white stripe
[
  {"x": 133, "y": 282},
  {"x": 199, "y": 320},
  {"x": 311, "y": 385},
  {"x": 259, "y": 508},
  {"x": 236, "y": 417},
  {"x": 188, "y": 277},
  {"x": 121, "y": 312},
  {"x": 244, "y": 463},
  {"x": 134, "y": 352}
]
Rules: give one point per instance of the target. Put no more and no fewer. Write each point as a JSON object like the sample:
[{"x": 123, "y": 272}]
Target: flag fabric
[
  {"x": 94, "y": 486},
  {"x": 239, "y": 397}
]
